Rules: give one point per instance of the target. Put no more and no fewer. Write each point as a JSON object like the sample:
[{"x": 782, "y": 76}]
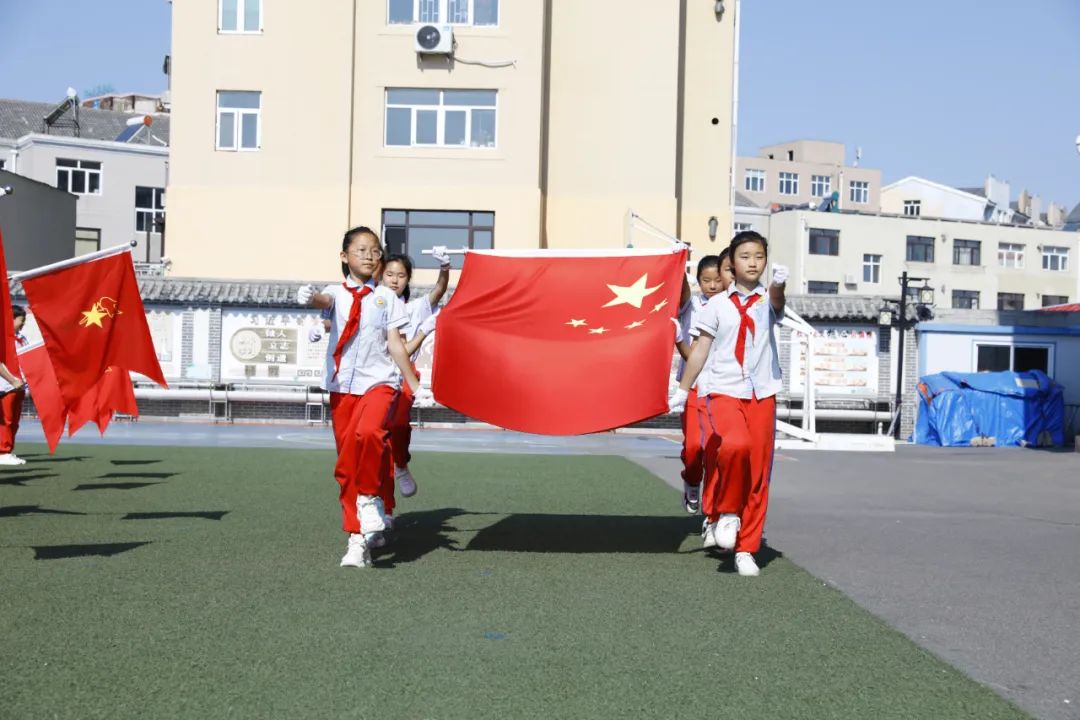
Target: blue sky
[{"x": 948, "y": 89}]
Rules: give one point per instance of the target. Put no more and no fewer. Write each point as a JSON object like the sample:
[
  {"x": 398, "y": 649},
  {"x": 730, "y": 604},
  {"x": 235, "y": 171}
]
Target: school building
[{"x": 466, "y": 123}]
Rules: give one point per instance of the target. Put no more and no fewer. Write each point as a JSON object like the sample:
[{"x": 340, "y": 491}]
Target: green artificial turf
[{"x": 519, "y": 586}]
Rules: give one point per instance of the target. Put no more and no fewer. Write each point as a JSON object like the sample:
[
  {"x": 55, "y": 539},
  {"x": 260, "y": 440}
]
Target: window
[
  {"x": 1010, "y": 301},
  {"x": 860, "y": 191},
  {"x": 87, "y": 240},
  {"x": 871, "y": 268},
  {"x": 1051, "y": 300},
  {"x": 149, "y": 209},
  {"x": 820, "y": 185},
  {"x": 743, "y": 227},
  {"x": 967, "y": 252},
  {"x": 755, "y": 181},
  {"x": 1011, "y": 255},
  {"x": 819, "y": 287},
  {"x": 238, "y": 125},
  {"x": 81, "y": 177},
  {"x": 913, "y": 208},
  {"x": 1017, "y": 358},
  {"x": 410, "y": 232},
  {"x": 2, "y": 164},
  {"x": 240, "y": 16},
  {"x": 789, "y": 183},
  {"x": 824, "y": 242},
  {"x": 1053, "y": 258},
  {"x": 440, "y": 118},
  {"x": 965, "y": 299},
  {"x": 447, "y": 12},
  {"x": 920, "y": 248}
]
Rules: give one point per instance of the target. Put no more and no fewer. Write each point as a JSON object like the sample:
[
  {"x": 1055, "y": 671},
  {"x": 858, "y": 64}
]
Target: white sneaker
[
  {"x": 405, "y": 481},
  {"x": 708, "y": 534},
  {"x": 357, "y": 554},
  {"x": 745, "y": 564},
  {"x": 691, "y": 498},
  {"x": 11, "y": 459},
  {"x": 727, "y": 529},
  {"x": 372, "y": 517}
]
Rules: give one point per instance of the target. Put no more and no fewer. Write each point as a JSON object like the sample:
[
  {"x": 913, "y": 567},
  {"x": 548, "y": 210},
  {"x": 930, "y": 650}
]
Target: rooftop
[{"x": 23, "y": 117}]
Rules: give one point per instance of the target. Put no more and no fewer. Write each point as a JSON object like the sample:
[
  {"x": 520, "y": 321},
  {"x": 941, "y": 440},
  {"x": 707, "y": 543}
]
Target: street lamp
[{"x": 886, "y": 318}]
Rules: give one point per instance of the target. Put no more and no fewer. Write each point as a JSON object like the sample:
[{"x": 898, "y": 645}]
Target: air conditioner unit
[
  {"x": 850, "y": 279},
  {"x": 434, "y": 39}
]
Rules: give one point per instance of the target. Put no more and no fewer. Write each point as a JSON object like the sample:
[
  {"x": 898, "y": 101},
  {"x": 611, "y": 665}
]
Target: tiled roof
[
  {"x": 1072, "y": 222},
  {"x": 21, "y": 117},
  {"x": 981, "y": 192},
  {"x": 1068, "y": 307},
  {"x": 841, "y": 307},
  {"x": 743, "y": 201}
]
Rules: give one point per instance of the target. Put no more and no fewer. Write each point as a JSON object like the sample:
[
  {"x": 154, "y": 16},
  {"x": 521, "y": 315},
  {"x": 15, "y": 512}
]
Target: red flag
[
  {"x": 8, "y": 355},
  {"x": 91, "y": 316},
  {"x": 113, "y": 393},
  {"x": 559, "y": 345},
  {"x": 45, "y": 393}
]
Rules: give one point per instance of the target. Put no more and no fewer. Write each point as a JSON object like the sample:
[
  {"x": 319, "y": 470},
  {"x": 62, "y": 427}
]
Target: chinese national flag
[
  {"x": 559, "y": 345},
  {"x": 113, "y": 393},
  {"x": 91, "y": 316},
  {"x": 45, "y": 392},
  {"x": 8, "y": 354}
]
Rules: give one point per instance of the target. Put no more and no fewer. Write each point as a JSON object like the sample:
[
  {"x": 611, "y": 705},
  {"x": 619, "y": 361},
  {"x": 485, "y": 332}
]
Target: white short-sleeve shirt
[
  {"x": 688, "y": 316},
  {"x": 760, "y": 372},
  {"x": 418, "y": 310},
  {"x": 365, "y": 361}
]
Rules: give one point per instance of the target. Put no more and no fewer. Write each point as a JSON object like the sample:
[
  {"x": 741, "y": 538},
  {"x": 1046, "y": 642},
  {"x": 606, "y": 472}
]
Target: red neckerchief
[{"x": 352, "y": 325}]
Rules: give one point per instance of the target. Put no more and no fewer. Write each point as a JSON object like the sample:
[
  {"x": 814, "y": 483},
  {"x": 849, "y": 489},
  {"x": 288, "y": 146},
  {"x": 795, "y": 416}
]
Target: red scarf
[
  {"x": 352, "y": 325},
  {"x": 746, "y": 324}
]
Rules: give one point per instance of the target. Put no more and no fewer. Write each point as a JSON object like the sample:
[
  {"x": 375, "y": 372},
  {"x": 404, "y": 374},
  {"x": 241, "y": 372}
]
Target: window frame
[
  {"x": 929, "y": 245},
  {"x": 86, "y": 229},
  {"x": 1055, "y": 252},
  {"x": 241, "y": 7},
  {"x": 761, "y": 178},
  {"x": 1058, "y": 300},
  {"x": 834, "y": 241},
  {"x": 788, "y": 177},
  {"x": 473, "y": 227},
  {"x": 834, "y": 287},
  {"x": 238, "y": 123},
  {"x": 157, "y": 194},
  {"x": 974, "y": 252},
  {"x": 859, "y": 189},
  {"x": 88, "y": 172},
  {"x": 912, "y": 208},
  {"x": 1002, "y": 295},
  {"x": 872, "y": 262},
  {"x": 1013, "y": 346},
  {"x": 969, "y": 295},
  {"x": 822, "y": 183},
  {"x": 741, "y": 227},
  {"x": 1011, "y": 255},
  {"x": 444, "y": 13},
  {"x": 440, "y": 119}
]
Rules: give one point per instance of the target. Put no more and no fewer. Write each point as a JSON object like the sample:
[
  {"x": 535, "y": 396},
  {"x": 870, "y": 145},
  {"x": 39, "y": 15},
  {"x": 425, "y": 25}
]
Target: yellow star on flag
[
  {"x": 659, "y": 305},
  {"x": 576, "y": 323},
  {"x": 93, "y": 316},
  {"x": 636, "y": 323},
  {"x": 598, "y": 331},
  {"x": 632, "y": 294}
]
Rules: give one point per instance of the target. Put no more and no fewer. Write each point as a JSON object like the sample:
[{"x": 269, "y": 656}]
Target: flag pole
[{"x": 72, "y": 262}]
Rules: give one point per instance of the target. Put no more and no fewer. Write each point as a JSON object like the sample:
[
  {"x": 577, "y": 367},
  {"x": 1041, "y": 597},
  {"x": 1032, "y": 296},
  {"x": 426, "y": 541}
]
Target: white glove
[
  {"x": 314, "y": 334},
  {"x": 305, "y": 294},
  {"x": 780, "y": 274},
  {"x": 428, "y": 326},
  {"x": 677, "y": 401},
  {"x": 439, "y": 253},
  {"x": 678, "y": 329},
  {"x": 423, "y": 398}
]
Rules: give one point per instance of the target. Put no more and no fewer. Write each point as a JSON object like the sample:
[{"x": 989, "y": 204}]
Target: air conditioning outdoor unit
[
  {"x": 850, "y": 279},
  {"x": 434, "y": 39}
]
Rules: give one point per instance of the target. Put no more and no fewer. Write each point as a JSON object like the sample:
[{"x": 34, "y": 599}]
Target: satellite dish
[{"x": 428, "y": 37}]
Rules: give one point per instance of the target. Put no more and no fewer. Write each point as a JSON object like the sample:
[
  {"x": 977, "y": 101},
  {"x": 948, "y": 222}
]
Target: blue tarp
[{"x": 1025, "y": 408}]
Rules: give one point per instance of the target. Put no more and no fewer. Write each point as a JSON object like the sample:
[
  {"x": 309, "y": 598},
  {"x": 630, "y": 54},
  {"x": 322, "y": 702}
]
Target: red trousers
[
  {"x": 10, "y": 412},
  {"x": 401, "y": 429},
  {"x": 362, "y": 434},
  {"x": 692, "y": 446},
  {"x": 739, "y": 440}
]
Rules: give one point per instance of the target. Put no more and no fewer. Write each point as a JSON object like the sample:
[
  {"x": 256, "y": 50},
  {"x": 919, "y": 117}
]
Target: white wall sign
[
  {"x": 845, "y": 362},
  {"x": 269, "y": 346}
]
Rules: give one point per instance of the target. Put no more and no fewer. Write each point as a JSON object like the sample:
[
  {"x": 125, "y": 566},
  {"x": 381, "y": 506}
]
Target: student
[
  {"x": 12, "y": 394},
  {"x": 365, "y": 364},
  {"x": 397, "y": 273},
  {"x": 713, "y": 276},
  {"x": 737, "y": 369}
]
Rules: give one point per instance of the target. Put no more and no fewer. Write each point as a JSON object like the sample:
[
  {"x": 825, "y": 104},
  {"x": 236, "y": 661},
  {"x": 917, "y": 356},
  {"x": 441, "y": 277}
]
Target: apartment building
[
  {"x": 807, "y": 171},
  {"x": 520, "y": 125}
]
